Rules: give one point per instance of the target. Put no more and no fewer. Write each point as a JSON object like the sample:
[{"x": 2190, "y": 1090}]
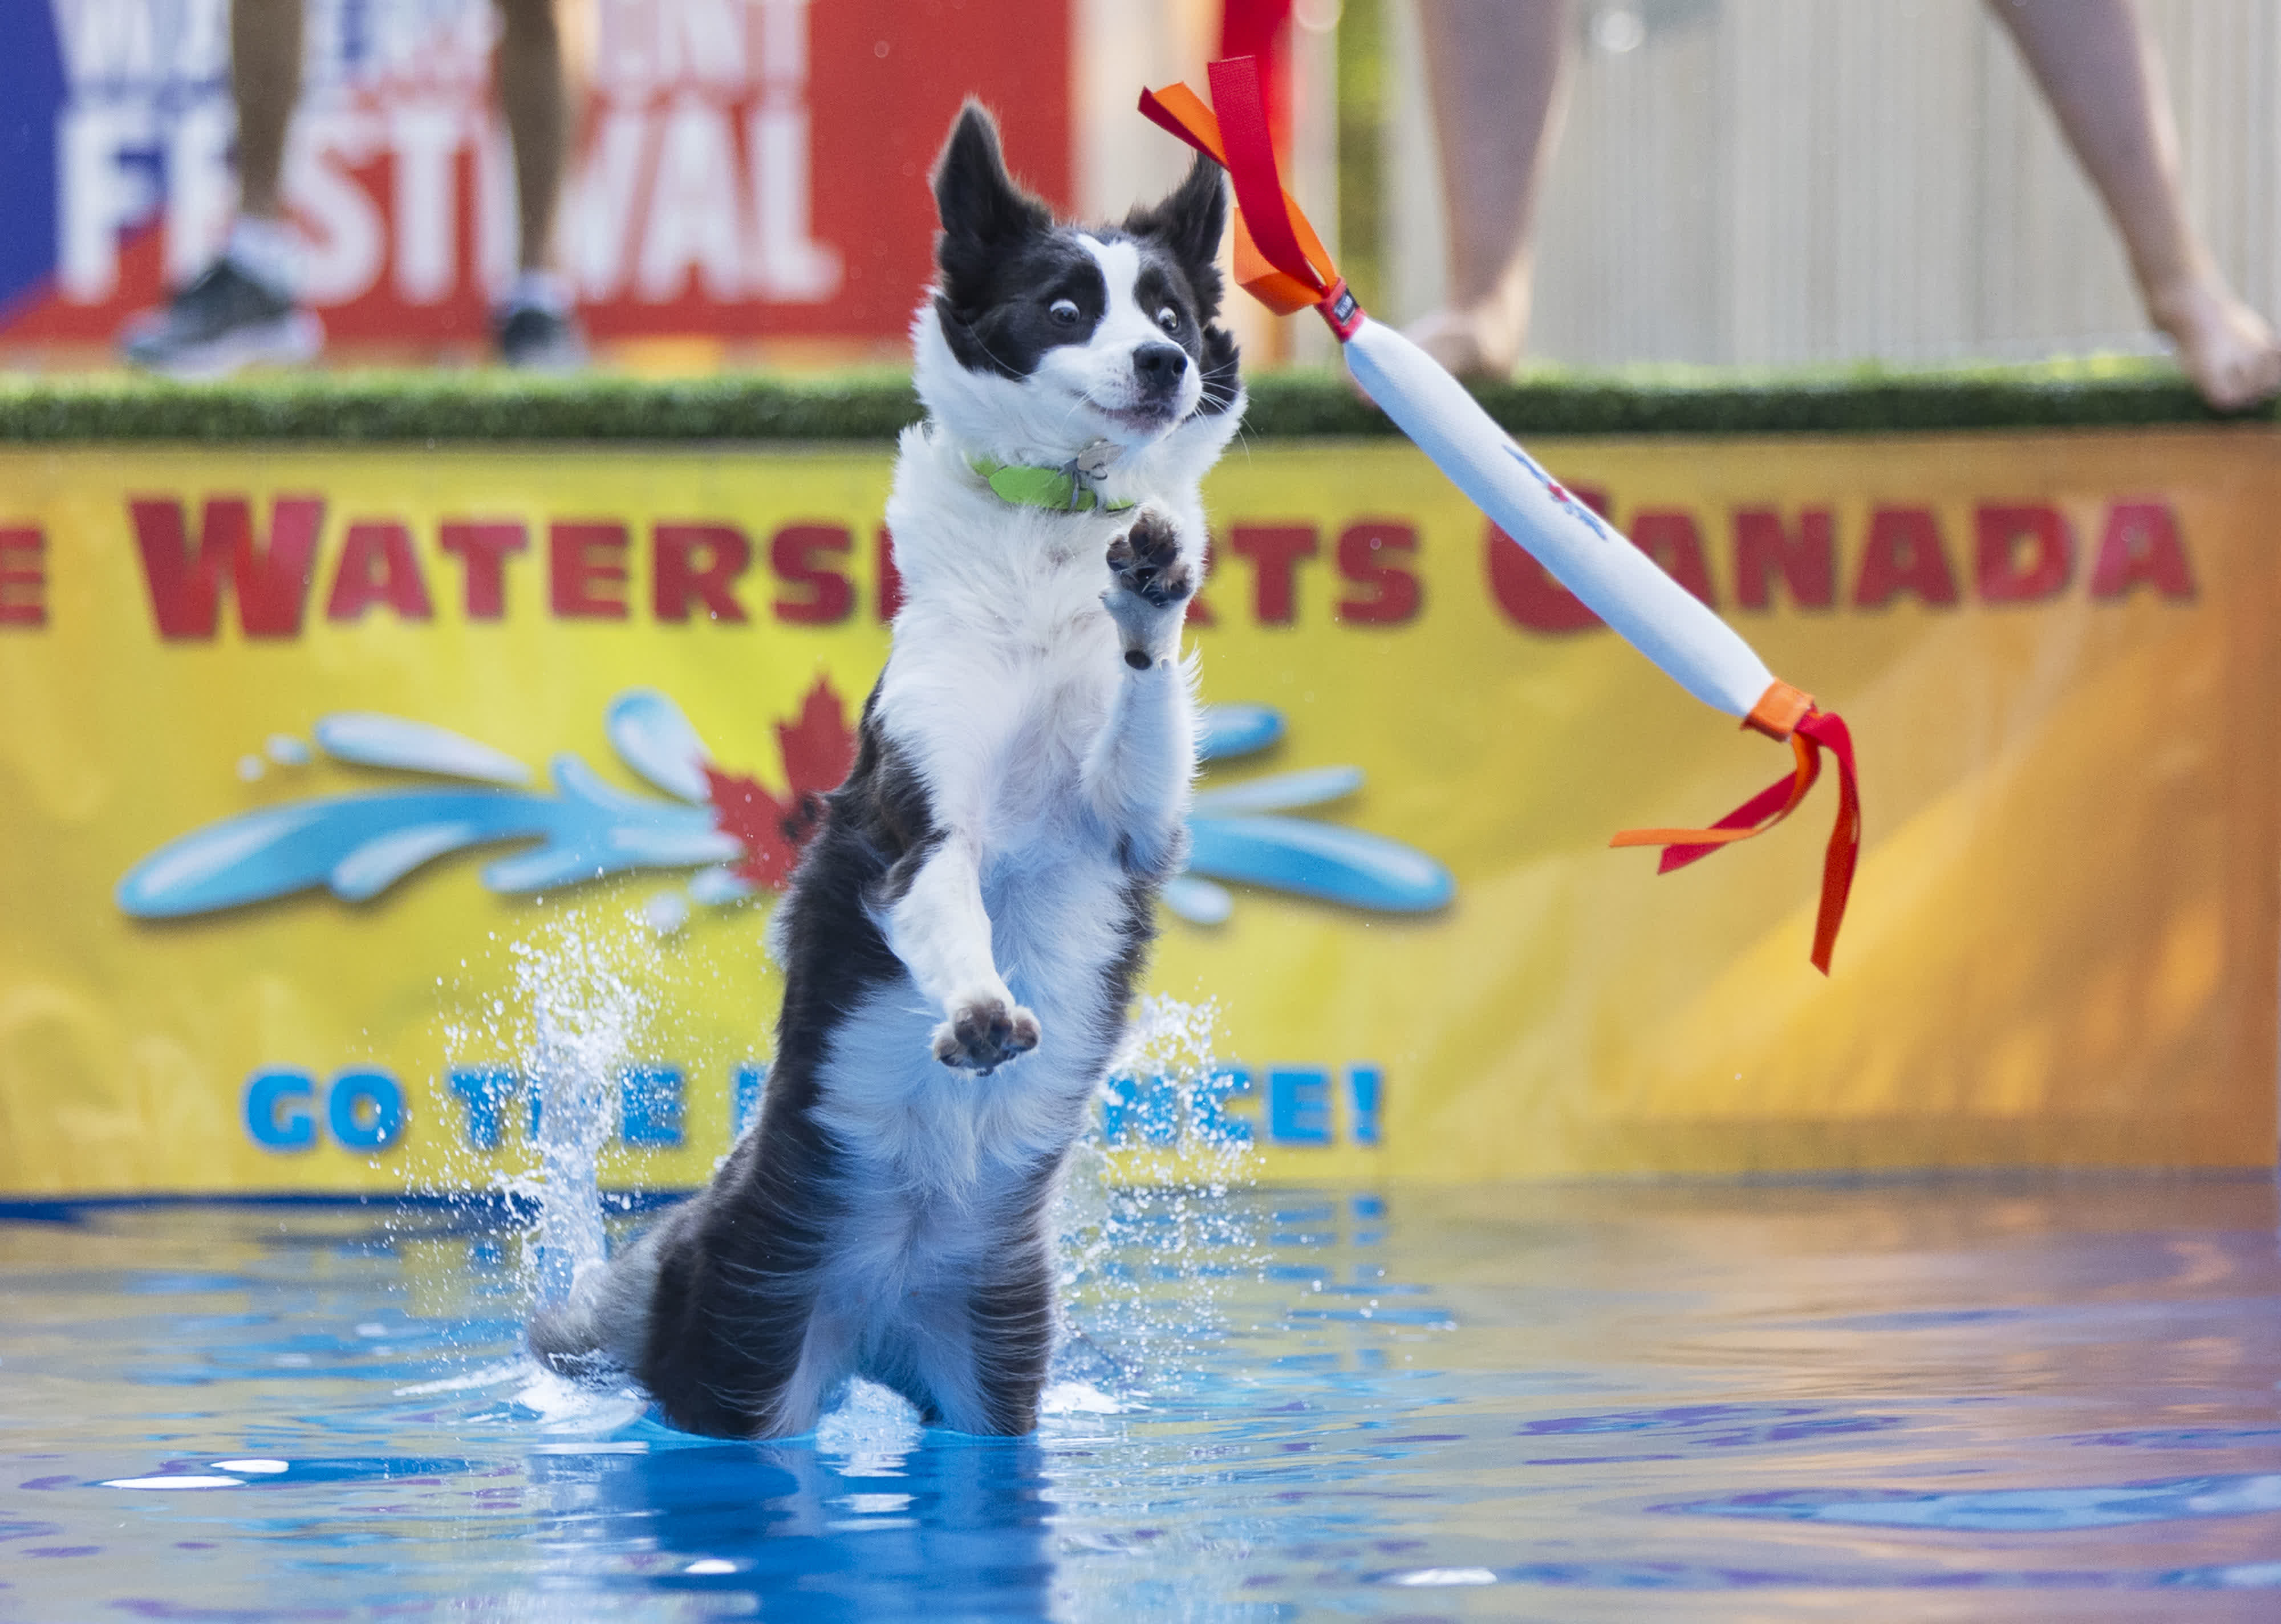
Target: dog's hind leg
[
  {"x": 737, "y": 1348},
  {"x": 985, "y": 1368}
]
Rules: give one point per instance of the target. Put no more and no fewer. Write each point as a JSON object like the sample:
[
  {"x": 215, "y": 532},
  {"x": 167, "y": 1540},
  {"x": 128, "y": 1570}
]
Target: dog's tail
[{"x": 601, "y": 1328}]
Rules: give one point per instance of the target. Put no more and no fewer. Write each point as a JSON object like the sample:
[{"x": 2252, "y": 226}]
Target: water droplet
[{"x": 666, "y": 912}]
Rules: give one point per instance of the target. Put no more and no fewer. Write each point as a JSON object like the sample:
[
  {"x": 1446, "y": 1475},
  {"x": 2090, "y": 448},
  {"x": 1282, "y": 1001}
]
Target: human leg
[
  {"x": 534, "y": 327},
  {"x": 535, "y": 96},
  {"x": 1497, "y": 71},
  {"x": 2104, "y": 80},
  {"x": 265, "y": 81},
  {"x": 240, "y": 311}
]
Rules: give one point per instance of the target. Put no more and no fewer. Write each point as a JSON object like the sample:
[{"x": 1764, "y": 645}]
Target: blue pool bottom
[{"x": 1985, "y": 1398}]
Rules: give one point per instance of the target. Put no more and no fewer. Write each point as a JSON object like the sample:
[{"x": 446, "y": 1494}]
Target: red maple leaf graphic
[{"x": 817, "y": 750}]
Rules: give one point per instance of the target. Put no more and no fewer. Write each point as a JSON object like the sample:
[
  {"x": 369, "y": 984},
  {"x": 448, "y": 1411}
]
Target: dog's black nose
[{"x": 1157, "y": 367}]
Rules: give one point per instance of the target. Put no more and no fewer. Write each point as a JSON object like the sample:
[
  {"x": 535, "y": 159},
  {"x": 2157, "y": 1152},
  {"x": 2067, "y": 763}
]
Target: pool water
[{"x": 1968, "y": 1400}]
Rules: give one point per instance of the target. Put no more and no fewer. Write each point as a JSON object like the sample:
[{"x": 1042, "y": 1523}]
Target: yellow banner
[{"x": 349, "y": 795}]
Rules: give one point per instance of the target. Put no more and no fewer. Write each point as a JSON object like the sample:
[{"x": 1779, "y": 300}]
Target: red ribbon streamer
[
  {"x": 1280, "y": 261},
  {"x": 1250, "y": 144},
  {"x": 1820, "y": 729}
]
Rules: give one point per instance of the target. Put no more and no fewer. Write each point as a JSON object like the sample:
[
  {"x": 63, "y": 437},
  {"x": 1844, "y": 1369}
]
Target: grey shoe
[
  {"x": 533, "y": 339},
  {"x": 223, "y": 321}
]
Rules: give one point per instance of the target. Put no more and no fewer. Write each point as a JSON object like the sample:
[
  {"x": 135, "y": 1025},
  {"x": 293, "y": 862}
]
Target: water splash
[
  {"x": 1131, "y": 1331},
  {"x": 582, "y": 984},
  {"x": 870, "y": 1430},
  {"x": 545, "y": 1063},
  {"x": 1151, "y": 1246}
]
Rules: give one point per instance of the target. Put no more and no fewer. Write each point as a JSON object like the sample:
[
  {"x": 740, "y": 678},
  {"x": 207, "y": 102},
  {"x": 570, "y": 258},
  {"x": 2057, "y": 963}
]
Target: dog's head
[{"x": 1059, "y": 336}]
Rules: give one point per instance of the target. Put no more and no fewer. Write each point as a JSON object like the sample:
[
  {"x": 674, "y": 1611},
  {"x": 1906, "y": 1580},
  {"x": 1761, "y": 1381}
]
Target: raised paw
[
  {"x": 984, "y": 1033},
  {"x": 1150, "y": 582},
  {"x": 1145, "y": 560}
]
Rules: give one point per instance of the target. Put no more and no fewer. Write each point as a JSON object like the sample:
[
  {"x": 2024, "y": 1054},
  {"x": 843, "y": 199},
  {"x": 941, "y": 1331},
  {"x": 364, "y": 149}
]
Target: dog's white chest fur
[{"x": 1004, "y": 680}]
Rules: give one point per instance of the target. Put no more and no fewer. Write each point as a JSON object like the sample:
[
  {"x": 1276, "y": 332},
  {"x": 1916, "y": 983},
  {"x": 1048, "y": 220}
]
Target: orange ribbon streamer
[{"x": 1816, "y": 730}]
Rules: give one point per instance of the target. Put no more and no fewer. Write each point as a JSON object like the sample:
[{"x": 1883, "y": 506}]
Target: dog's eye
[
  {"x": 1169, "y": 319},
  {"x": 1064, "y": 311}
]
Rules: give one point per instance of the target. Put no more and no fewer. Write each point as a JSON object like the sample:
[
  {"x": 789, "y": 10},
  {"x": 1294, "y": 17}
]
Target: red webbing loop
[
  {"x": 1241, "y": 104},
  {"x": 1827, "y": 728},
  {"x": 1280, "y": 261},
  {"x": 1820, "y": 729}
]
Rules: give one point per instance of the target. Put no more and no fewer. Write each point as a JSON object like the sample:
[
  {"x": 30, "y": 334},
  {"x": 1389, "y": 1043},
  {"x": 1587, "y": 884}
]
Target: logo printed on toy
[{"x": 1559, "y": 493}]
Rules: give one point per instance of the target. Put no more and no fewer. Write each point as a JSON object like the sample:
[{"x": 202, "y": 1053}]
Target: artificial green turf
[{"x": 428, "y": 406}]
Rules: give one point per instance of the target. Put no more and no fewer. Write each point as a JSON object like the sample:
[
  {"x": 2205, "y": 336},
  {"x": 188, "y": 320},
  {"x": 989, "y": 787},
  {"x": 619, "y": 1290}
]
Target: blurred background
[
  {"x": 1745, "y": 183},
  {"x": 1763, "y": 183}
]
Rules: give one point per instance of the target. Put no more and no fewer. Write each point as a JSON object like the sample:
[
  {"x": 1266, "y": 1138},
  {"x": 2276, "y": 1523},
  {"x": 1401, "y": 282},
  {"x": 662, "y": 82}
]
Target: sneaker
[
  {"x": 534, "y": 338},
  {"x": 225, "y": 319}
]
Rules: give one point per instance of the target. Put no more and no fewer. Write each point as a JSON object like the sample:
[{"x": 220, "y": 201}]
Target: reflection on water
[
  {"x": 810, "y": 1535},
  {"x": 1968, "y": 1400}
]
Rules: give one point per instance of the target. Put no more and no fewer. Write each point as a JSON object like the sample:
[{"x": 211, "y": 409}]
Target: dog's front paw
[
  {"x": 1145, "y": 560},
  {"x": 985, "y": 1030},
  {"x": 1151, "y": 584}
]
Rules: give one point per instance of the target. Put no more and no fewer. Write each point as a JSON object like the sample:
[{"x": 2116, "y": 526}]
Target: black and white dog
[{"x": 961, "y": 940}]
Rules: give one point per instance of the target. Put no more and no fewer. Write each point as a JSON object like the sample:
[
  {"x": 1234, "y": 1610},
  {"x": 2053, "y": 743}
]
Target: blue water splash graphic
[
  {"x": 358, "y": 847},
  {"x": 1234, "y": 835}
]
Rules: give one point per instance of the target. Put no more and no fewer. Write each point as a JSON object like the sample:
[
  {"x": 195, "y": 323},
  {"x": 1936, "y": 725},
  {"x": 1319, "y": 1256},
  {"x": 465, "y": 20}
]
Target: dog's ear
[
  {"x": 978, "y": 201},
  {"x": 1189, "y": 224}
]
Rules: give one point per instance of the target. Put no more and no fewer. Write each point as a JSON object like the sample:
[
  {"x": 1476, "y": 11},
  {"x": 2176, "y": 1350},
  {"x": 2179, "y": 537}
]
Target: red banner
[{"x": 748, "y": 169}]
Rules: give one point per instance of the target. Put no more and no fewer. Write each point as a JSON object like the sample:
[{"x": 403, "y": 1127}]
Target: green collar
[{"x": 1070, "y": 488}]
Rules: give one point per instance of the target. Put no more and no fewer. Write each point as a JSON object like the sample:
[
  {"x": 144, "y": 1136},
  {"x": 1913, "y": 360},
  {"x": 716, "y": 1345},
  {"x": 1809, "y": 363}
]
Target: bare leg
[
  {"x": 265, "y": 78},
  {"x": 239, "y": 310},
  {"x": 1499, "y": 75},
  {"x": 2104, "y": 80},
  {"x": 535, "y": 96}
]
